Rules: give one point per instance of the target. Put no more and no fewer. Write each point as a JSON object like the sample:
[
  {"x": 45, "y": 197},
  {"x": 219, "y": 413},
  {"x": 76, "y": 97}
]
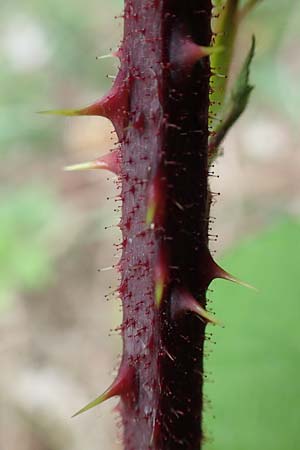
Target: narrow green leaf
[
  {"x": 236, "y": 105},
  {"x": 224, "y": 26},
  {"x": 242, "y": 89}
]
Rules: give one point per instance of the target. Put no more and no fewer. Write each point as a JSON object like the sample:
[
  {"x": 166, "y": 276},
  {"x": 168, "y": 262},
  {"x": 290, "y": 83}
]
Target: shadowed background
[{"x": 58, "y": 347}]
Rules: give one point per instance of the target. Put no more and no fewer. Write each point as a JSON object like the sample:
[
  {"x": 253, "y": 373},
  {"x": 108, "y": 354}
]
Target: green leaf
[
  {"x": 255, "y": 363},
  {"x": 26, "y": 216},
  {"x": 224, "y": 26},
  {"x": 242, "y": 89},
  {"x": 236, "y": 105}
]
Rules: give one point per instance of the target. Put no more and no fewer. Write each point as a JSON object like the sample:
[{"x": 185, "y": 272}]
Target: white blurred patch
[
  {"x": 264, "y": 139},
  {"x": 24, "y": 44}
]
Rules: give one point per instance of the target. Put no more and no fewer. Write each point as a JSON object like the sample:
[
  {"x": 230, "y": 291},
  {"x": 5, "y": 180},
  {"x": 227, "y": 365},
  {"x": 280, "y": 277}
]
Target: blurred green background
[{"x": 58, "y": 348}]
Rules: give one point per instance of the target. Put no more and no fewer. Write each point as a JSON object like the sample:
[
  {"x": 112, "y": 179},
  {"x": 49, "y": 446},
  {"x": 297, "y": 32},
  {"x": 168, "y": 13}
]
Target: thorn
[
  {"x": 116, "y": 54},
  {"x": 155, "y": 205},
  {"x": 151, "y": 207},
  {"x": 63, "y": 112},
  {"x": 160, "y": 278},
  {"x": 106, "y": 269},
  {"x": 110, "y": 161},
  {"x": 159, "y": 290},
  {"x": 109, "y": 55},
  {"x": 196, "y": 308},
  {"x": 83, "y": 166},
  {"x": 183, "y": 301},
  {"x": 213, "y": 271},
  {"x": 113, "y": 106},
  {"x": 227, "y": 276},
  {"x": 121, "y": 386},
  {"x": 184, "y": 53}
]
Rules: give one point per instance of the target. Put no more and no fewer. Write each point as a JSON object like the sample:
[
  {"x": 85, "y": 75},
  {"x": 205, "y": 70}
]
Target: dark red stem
[{"x": 164, "y": 167}]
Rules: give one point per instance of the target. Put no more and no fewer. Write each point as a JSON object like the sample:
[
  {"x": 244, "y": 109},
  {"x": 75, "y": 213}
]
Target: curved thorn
[
  {"x": 110, "y": 161},
  {"x": 105, "y": 396},
  {"x": 184, "y": 52},
  {"x": 183, "y": 302},
  {"x": 213, "y": 271},
  {"x": 227, "y": 276},
  {"x": 120, "y": 386},
  {"x": 201, "y": 312},
  {"x": 113, "y": 106}
]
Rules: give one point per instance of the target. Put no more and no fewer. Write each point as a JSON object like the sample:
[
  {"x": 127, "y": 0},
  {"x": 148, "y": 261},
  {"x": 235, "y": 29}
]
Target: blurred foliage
[
  {"x": 255, "y": 365},
  {"x": 25, "y": 230},
  {"x": 275, "y": 25},
  {"x": 47, "y": 54}
]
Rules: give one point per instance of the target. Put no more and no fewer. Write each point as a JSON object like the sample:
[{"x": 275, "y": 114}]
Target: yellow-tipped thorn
[
  {"x": 182, "y": 302},
  {"x": 110, "y": 161},
  {"x": 84, "y": 166},
  {"x": 95, "y": 109},
  {"x": 159, "y": 290},
  {"x": 226, "y": 276},
  {"x": 116, "y": 54},
  {"x": 217, "y": 272},
  {"x": 105, "y": 396},
  {"x": 155, "y": 201},
  {"x": 197, "y": 309},
  {"x": 63, "y": 112},
  {"x": 121, "y": 386}
]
